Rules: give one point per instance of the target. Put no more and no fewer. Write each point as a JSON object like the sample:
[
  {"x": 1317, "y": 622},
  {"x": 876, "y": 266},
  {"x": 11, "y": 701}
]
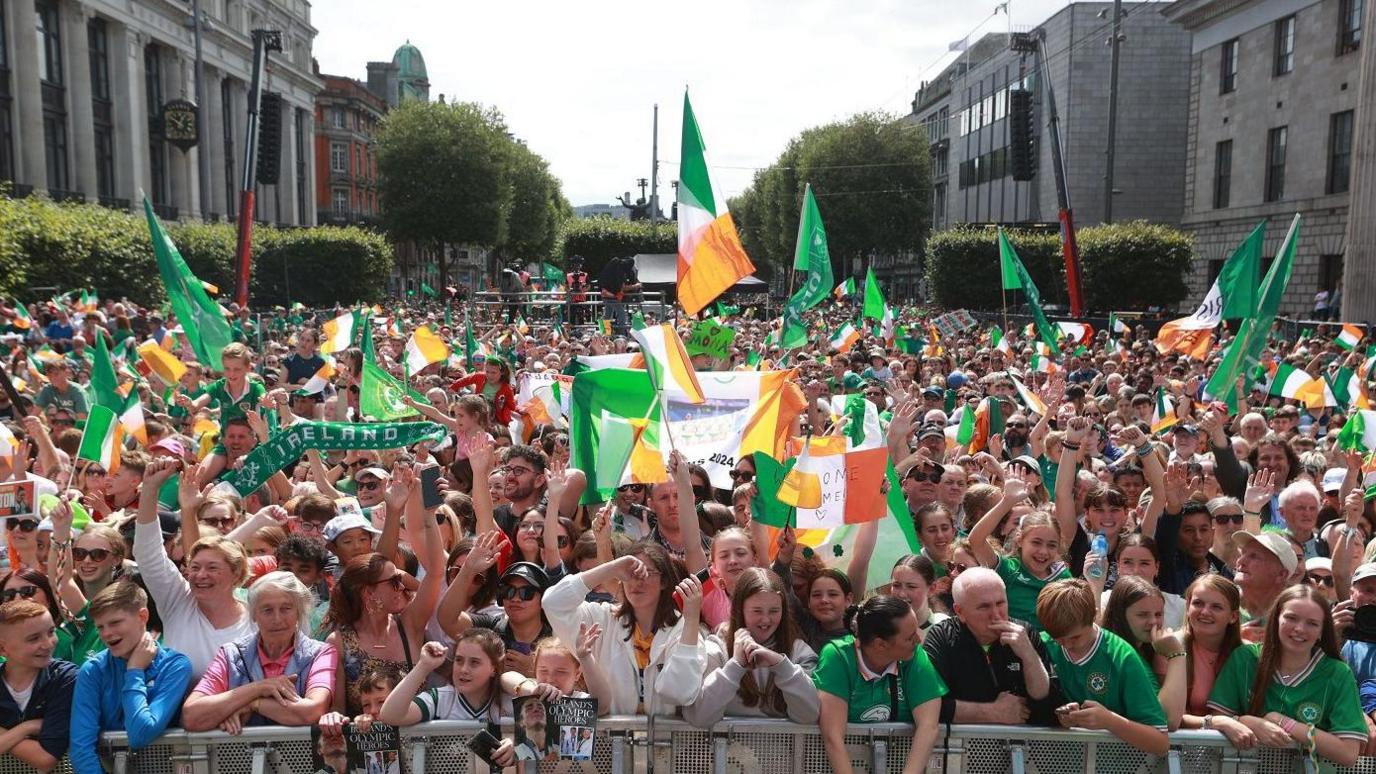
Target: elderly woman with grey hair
[{"x": 277, "y": 676}]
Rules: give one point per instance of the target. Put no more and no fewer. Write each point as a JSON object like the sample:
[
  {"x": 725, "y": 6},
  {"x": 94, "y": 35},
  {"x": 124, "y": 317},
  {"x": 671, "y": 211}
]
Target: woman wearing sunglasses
[
  {"x": 21, "y": 533},
  {"x": 521, "y": 623},
  {"x": 80, "y": 568}
]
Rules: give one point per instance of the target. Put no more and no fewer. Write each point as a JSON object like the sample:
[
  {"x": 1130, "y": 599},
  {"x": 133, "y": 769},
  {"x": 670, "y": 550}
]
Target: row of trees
[
  {"x": 44, "y": 245},
  {"x": 453, "y": 174},
  {"x": 871, "y": 176}
]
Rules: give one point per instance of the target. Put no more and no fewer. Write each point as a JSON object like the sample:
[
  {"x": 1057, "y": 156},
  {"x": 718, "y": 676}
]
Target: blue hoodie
[{"x": 112, "y": 697}]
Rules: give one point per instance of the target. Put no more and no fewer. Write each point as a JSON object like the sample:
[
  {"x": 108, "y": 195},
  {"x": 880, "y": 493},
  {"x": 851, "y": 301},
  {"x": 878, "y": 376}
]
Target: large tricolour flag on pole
[
  {"x": 710, "y": 256},
  {"x": 100, "y": 441}
]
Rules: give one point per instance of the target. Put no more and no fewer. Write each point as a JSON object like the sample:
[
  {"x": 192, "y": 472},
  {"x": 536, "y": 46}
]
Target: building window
[
  {"x": 100, "y": 59},
  {"x": 341, "y": 201},
  {"x": 1223, "y": 173},
  {"x": 49, "y": 42},
  {"x": 55, "y": 150},
  {"x": 1227, "y": 76},
  {"x": 157, "y": 147},
  {"x": 1215, "y": 269},
  {"x": 227, "y": 140},
  {"x": 1285, "y": 46},
  {"x": 1339, "y": 152},
  {"x": 339, "y": 157},
  {"x": 337, "y": 118},
  {"x": 6, "y": 131},
  {"x": 1275, "y": 164},
  {"x": 105, "y": 162},
  {"x": 301, "y": 166},
  {"x": 1349, "y": 25},
  {"x": 1330, "y": 272}
]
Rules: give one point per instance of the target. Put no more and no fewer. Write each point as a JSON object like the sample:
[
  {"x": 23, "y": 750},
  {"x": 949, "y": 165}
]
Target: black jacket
[{"x": 972, "y": 674}]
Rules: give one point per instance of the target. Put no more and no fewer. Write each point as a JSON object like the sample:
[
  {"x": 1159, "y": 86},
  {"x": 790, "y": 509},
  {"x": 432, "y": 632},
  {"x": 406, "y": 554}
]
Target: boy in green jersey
[{"x": 1108, "y": 686}]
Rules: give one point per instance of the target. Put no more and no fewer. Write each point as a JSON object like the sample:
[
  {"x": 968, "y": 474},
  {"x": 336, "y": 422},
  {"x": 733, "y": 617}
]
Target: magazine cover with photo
[
  {"x": 375, "y": 751},
  {"x": 553, "y": 730}
]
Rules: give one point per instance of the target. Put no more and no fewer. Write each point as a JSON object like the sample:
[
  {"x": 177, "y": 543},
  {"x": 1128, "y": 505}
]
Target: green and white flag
[
  {"x": 1359, "y": 432},
  {"x": 846, "y": 288},
  {"x": 200, "y": 317},
  {"x": 810, "y": 254},
  {"x": 1015, "y": 277}
]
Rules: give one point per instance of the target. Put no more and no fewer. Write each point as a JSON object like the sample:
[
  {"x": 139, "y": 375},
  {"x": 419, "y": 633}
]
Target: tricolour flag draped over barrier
[
  {"x": 710, "y": 256},
  {"x": 200, "y": 317}
]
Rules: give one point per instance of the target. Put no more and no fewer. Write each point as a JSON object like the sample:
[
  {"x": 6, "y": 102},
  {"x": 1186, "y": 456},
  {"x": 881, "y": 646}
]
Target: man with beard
[
  {"x": 533, "y": 726},
  {"x": 676, "y": 523},
  {"x": 1015, "y": 437}
]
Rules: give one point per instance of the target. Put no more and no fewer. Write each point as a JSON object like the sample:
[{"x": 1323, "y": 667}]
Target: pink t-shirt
[
  {"x": 216, "y": 677},
  {"x": 716, "y": 607},
  {"x": 464, "y": 443}
]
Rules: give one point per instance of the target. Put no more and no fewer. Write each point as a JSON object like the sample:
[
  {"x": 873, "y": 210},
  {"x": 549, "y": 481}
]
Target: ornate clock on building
[{"x": 179, "y": 124}]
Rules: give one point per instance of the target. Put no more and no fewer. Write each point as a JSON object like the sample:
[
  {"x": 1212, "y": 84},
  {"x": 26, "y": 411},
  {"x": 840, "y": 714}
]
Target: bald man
[{"x": 995, "y": 670}]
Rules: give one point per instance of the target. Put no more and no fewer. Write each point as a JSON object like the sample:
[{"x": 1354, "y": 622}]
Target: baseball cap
[
  {"x": 529, "y": 572},
  {"x": 934, "y": 393},
  {"x": 374, "y": 472},
  {"x": 852, "y": 381},
  {"x": 341, "y": 524},
  {"x": 1364, "y": 571},
  {"x": 1318, "y": 563},
  {"x": 931, "y": 431},
  {"x": 1333, "y": 480},
  {"x": 1187, "y": 429},
  {"x": 1274, "y": 542},
  {"x": 171, "y": 445}
]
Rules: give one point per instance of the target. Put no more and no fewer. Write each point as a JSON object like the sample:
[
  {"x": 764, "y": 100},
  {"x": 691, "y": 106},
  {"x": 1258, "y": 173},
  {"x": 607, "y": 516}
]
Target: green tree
[
  {"x": 444, "y": 175},
  {"x": 538, "y": 207},
  {"x": 601, "y": 239},
  {"x": 871, "y": 178}
]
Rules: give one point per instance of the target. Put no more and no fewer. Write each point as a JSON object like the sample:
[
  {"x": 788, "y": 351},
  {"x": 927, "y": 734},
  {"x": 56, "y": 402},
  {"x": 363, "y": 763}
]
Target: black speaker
[
  {"x": 269, "y": 138},
  {"x": 1021, "y": 148}
]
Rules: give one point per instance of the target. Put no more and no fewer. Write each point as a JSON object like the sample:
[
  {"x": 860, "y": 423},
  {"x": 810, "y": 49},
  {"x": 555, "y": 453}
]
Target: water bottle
[{"x": 1095, "y": 571}]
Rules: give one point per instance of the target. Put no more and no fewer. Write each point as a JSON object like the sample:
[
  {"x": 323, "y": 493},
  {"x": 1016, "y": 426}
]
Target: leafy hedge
[
  {"x": 1123, "y": 266},
  {"x": 43, "y": 244},
  {"x": 601, "y": 239}
]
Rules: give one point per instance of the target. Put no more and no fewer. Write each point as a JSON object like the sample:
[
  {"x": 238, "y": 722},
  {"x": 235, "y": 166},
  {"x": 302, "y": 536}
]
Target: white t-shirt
[
  {"x": 21, "y": 698},
  {"x": 445, "y": 703},
  {"x": 188, "y": 631}
]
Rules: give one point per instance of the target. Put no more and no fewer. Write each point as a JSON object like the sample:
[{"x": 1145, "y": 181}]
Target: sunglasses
[
  {"x": 398, "y": 582},
  {"x": 217, "y": 523},
  {"x": 934, "y": 477},
  {"x": 635, "y": 488},
  {"x": 94, "y": 554},
  {"x": 742, "y": 476},
  {"x": 525, "y": 593},
  {"x": 369, "y": 485},
  {"x": 27, "y": 592},
  {"x": 23, "y": 525},
  {"x": 1222, "y": 519},
  {"x": 1326, "y": 580}
]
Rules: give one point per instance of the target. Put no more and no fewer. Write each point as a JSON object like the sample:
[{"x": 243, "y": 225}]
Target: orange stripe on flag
[{"x": 716, "y": 262}]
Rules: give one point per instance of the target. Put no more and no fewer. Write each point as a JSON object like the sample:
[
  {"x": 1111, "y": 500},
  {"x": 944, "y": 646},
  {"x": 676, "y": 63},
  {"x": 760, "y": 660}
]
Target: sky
[{"x": 578, "y": 81}]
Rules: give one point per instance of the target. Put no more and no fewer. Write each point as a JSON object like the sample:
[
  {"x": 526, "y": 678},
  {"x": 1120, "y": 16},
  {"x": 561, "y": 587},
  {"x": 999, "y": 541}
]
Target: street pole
[
  {"x": 1116, "y": 38},
  {"x": 263, "y": 41},
  {"x": 654, "y": 171},
  {"x": 203, "y": 147}
]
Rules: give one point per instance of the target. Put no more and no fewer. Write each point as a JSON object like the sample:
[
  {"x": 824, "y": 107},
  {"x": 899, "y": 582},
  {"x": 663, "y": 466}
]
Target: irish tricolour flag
[
  {"x": 102, "y": 438},
  {"x": 667, "y": 361},
  {"x": 1163, "y": 412},
  {"x": 338, "y": 333},
  {"x": 844, "y": 338},
  {"x": 710, "y": 256},
  {"x": 832, "y": 487},
  {"x": 423, "y": 348},
  {"x": 1349, "y": 337}
]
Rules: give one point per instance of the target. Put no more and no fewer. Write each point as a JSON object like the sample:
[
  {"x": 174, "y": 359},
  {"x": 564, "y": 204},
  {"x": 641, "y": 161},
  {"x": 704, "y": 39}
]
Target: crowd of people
[{"x": 1075, "y": 568}]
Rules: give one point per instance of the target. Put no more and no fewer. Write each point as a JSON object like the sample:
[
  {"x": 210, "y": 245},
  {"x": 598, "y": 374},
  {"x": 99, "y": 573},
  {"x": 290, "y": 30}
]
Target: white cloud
[{"x": 577, "y": 81}]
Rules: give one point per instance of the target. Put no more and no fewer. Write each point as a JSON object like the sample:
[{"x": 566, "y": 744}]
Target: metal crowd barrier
[
  {"x": 544, "y": 306},
  {"x": 629, "y": 745}
]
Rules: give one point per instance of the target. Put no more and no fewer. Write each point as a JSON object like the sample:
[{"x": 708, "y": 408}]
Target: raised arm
[
  {"x": 694, "y": 557},
  {"x": 1014, "y": 492},
  {"x": 320, "y": 476},
  {"x": 452, "y": 614},
  {"x": 865, "y": 539},
  {"x": 1071, "y": 454},
  {"x": 433, "y": 414},
  {"x": 556, "y": 483},
  {"x": 481, "y": 458},
  {"x": 61, "y": 573},
  {"x": 399, "y": 709},
  {"x": 424, "y": 533}
]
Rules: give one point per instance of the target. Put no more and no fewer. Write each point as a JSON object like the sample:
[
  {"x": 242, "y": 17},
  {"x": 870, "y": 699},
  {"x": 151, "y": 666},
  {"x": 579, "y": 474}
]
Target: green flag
[
  {"x": 380, "y": 395},
  {"x": 874, "y": 298},
  {"x": 104, "y": 384},
  {"x": 429, "y": 291},
  {"x": 1238, "y": 280},
  {"x": 1010, "y": 261},
  {"x": 199, "y": 316},
  {"x": 810, "y": 253},
  {"x": 618, "y": 392},
  {"x": 765, "y": 506},
  {"x": 1244, "y": 352}
]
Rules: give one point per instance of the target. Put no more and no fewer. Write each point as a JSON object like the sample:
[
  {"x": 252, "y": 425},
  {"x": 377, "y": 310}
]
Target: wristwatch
[{"x": 1208, "y": 722}]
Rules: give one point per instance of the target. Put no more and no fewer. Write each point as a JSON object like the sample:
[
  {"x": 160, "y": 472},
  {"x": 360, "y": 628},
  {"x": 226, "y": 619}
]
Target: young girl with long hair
[
  {"x": 1293, "y": 688},
  {"x": 1212, "y": 631},
  {"x": 769, "y": 666},
  {"x": 1034, "y": 558}
]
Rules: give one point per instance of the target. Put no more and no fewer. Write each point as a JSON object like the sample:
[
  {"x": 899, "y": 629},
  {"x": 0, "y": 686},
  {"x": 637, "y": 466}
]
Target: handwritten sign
[{"x": 710, "y": 338}]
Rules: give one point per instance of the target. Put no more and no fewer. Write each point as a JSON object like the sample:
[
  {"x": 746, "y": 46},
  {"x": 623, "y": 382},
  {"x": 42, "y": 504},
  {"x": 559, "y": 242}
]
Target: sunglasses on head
[
  {"x": 742, "y": 476},
  {"x": 94, "y": 554},
  {"x": 1223, "y": 518},
  {"x": 1326, "y": 580},
  {"x": 27, "y": 592},
  {"x": 526, "y": 593},
  {"x": 23, "y": 525}
]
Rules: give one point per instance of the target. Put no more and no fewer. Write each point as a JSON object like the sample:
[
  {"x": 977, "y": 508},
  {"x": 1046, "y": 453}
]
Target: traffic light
[
  {"x": 1021, "y": 150},
  {"x": 269, "y": 138}
]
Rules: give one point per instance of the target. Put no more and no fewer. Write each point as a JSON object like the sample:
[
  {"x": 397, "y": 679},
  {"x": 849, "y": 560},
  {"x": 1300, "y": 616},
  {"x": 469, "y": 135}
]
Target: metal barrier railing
[
  {"x": 627, "y": 745},
  {"x": 547, "y": 305}
]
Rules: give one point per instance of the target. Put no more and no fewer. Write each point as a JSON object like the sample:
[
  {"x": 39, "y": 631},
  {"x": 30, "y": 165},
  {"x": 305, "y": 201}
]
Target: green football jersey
[
  {"x": 231, "y": 408},
  {"x": 1112, "y": 675},
  {"x": 1023, "y": 588},
  {"x": 1324, "y": 693},
  {"x": 874, "y": 701}
]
